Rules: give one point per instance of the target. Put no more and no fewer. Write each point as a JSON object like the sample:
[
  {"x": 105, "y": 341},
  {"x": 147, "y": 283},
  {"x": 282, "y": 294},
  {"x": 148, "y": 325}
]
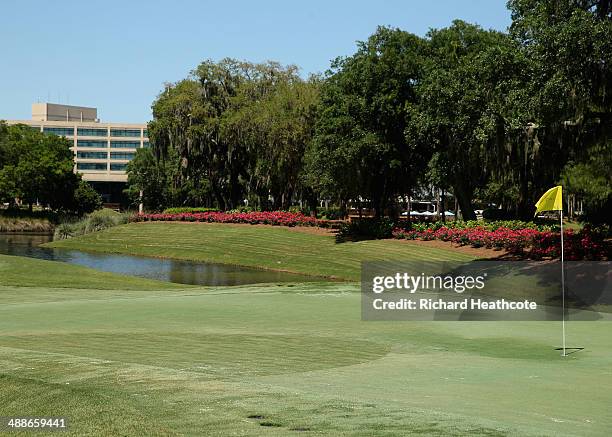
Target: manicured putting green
[{"x": 283, "y": 360}]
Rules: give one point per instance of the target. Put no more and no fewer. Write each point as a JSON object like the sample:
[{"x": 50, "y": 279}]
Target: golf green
[{"x": 137, "y": 357}]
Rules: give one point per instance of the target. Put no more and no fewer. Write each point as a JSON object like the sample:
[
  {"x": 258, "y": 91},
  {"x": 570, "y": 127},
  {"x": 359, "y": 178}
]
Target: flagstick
[{"x": 562, "y": 283}]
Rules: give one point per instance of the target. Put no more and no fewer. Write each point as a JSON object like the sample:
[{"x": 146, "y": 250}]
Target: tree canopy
[
  {"x": 38, "y": 168},
  {"x": 492, "y": 118}
]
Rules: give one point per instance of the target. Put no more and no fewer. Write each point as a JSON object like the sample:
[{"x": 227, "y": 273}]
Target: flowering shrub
[
  {"x": 182, "y": 209},
  {"x": 491, "y": 225},
  {"x": 278, "y": 218},
  {"x": 528, "y": 242}
]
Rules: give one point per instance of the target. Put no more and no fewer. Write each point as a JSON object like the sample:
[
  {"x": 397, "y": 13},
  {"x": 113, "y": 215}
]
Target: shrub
[
  {"x": 277, "y": 218},
  {"x": 365, "y": 228},
  {"x": 332, "y": 213},
  {"x": 241, "y": 209},
  {"x": 188, "y": 209},
  {"x": 103, "y": 219},
  {"x": 64, "y": 231},
  {"x": 527, "y": 242},
  {"x": 96, "y": 221},
  {"x": 17, "y": 224},
  {"x": 86, "y": 199}
]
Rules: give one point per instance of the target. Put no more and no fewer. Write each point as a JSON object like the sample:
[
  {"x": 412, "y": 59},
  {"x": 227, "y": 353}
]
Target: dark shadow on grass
[{"x": 570, "y": 350}]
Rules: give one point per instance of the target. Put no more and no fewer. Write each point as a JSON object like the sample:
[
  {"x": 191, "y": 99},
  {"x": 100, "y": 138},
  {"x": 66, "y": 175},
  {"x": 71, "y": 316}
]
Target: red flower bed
[
  {"x": 527, "y": 243},
  {"x": 277, "y": 218}
]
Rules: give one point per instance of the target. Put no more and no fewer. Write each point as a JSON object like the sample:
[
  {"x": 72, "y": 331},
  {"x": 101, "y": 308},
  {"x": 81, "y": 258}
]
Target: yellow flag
[{"x": 552, "y": 200}]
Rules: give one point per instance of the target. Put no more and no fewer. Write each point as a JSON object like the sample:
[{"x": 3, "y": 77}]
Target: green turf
[
  {"x": 29, "y": 272},
  {"x": 284, "y": 360},
  {"x": 268, "y": 247}
]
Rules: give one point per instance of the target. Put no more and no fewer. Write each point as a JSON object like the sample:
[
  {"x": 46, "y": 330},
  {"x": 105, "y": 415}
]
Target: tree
[
  {"x": 239, "y": 129},
  {"x": 274, "y": 130},
  {"x": 86, "y": 199},
  {"x": 152, "y": 177},
  {"x": 359, "y": 148},
  {"x": 569, "y": 46},
  {"x": 591, "y": 179},
  {"x": 36, "y": 167},
  {"x": 458, "y": 112}
]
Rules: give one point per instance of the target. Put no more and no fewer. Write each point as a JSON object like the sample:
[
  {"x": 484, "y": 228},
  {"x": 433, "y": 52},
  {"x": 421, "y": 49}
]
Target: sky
[{"x": 117, "y": 55}]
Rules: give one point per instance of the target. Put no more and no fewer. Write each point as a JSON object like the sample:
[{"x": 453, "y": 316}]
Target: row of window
[
  {"x": 61, "y": 131},
  {"x": 125, "y": 144},
  {"x": 125, "y": 132},
  {"x": 100, "y": 166},
  {"x": 122, "y": 155},
  {"x": 104, "y": 155},
  {"x": 92, "y": 155},
  {"x": 92, "y": 143},
  {"x": 113, "y": 144},
  {"x": 93, "y": 132}
]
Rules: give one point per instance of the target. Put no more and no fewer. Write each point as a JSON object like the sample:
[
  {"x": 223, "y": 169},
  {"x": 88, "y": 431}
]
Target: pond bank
[
  {"x": 26, "y": 224},
  {"x": 168, "y": 270}
]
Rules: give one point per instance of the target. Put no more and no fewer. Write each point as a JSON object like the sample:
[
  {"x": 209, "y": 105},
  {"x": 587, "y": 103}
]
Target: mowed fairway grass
[
  {"x": 128, "y": 356},
  {"x": 272, "y": 247}
]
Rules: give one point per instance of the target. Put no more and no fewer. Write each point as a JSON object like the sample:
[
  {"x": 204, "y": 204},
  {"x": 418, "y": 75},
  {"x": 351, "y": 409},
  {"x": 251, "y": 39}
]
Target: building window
[
  {"x": 145, "y": 133},
  {"x": 91, "y": 143},
  {"x": 118, "y": 167},
  {"x": 146, "y": 144},
  {"x": 122, "y": 155},
  {"x": 91, "y": 132},
  {"x": 91, "y": 166},
  {"x": 125, "y": 132},
  {"x": 92, "y": 155},
  {"x": 36, "y": 128},
  {"x": 125, "y": 144},
  {"x": 61, "y": 131}
]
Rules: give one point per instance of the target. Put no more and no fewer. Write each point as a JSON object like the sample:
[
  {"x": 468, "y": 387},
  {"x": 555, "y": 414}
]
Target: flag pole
[{"x": 562, "y": 282}]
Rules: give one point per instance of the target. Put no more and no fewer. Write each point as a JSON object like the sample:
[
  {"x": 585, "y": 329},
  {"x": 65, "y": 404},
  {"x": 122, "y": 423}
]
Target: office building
[{"x": 101, "y": 150}]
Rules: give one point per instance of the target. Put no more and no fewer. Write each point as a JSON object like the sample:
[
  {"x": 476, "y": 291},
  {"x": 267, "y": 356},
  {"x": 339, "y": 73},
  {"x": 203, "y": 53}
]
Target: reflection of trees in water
[
  {"x": 183, "y": 272},
  {"x": 26, "y": 245}
]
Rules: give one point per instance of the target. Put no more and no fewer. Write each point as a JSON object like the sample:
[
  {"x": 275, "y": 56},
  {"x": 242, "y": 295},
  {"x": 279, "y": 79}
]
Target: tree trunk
[
  {"x": 443, "y": 205},
  {"x": 219, "y": 198},
  {"x": 465, "y": 203},
  {"x": 409, "y": 209}
]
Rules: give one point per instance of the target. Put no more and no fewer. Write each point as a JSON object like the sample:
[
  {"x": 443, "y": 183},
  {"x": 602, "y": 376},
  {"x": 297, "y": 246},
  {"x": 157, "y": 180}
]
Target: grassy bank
[
  {"x": 29, "y": 272},
  {"x": 269, "y": 247},
  {"x": 281, "y": 360}
]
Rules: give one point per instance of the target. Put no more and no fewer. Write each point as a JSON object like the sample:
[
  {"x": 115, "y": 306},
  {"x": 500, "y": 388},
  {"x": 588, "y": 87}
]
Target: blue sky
[{"x": 116, "y": 55}]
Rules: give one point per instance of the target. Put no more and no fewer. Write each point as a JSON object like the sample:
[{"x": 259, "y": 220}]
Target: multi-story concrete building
[{"x": 101, "y": 150}]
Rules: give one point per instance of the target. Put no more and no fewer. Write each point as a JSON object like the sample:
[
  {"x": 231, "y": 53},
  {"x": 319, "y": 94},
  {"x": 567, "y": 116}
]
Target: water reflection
[{"x": 182, "y": 272}]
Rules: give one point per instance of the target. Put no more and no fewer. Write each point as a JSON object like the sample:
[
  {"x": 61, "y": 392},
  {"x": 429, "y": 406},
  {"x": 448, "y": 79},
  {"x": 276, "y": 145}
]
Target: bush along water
[{"x": 96, "y": 221}]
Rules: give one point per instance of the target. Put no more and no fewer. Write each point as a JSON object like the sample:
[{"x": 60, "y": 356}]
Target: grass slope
[
  {"x": 30, "y": 272},
  {"x": 258, "y": 246},
  {"x": 286, "y": 360}
]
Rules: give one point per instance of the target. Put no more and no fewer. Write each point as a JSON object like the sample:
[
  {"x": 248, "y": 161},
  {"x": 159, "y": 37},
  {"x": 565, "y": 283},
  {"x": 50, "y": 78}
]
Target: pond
[{"x": 182, "y": 272}]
